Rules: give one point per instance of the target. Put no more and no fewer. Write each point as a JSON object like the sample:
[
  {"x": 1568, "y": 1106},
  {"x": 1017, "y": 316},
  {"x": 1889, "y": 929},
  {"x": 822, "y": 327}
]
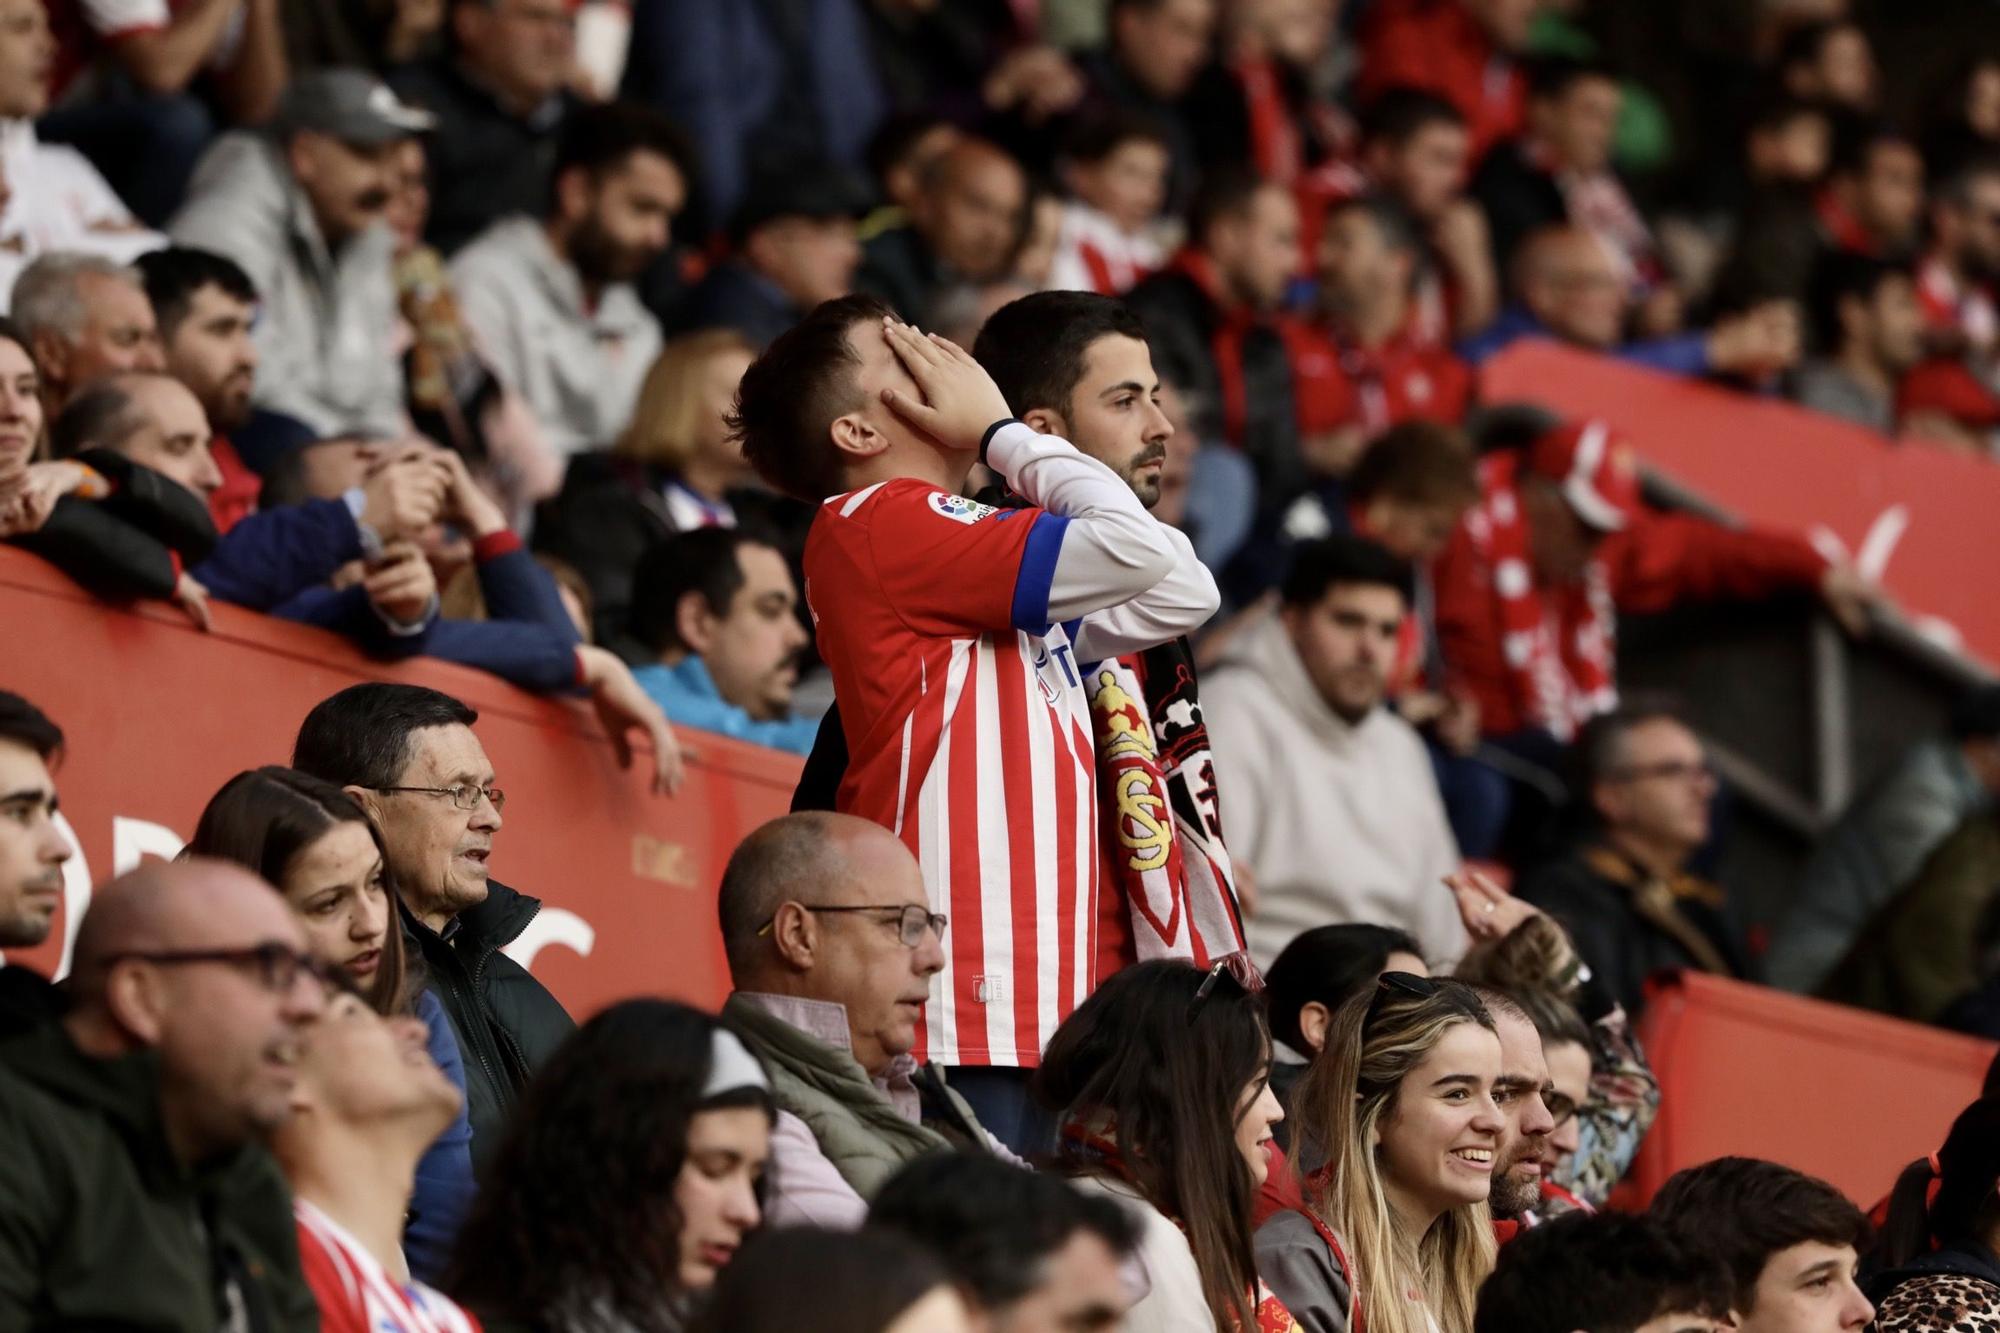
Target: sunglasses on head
[{"x": 1240, "y": 971}]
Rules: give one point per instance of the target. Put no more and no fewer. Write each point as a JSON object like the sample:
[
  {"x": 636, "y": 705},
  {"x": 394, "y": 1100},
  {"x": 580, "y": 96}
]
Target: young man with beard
[
  {"x": 551, "y": 299},
  {"x": 1522, "y": 1091},
  {"x": 32, "y": 852},
  {"x": 1076, "y": 365},
  {"x": 958, "y": 636}
]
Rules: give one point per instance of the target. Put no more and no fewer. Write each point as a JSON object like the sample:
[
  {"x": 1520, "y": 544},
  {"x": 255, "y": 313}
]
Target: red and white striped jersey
[
  {"x": 970, "y": 738},
  {"x": 354, "y": 1292}
]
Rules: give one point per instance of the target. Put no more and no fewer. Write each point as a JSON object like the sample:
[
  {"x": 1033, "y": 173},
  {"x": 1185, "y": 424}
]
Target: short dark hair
[
  {"x": 1552, "y": 77},
  {"x": 1741, "y": 1211},
  {"x": 898, "y": 134},
  {"x": 103, "y": 415},
  {"x": 1034, "y": 347},
  {"x": 791, "y": 394},
  {"x": 599, "y": 138},
  {"x": 992, "y": 1223},
  {"x": 1227, "y": 192},
  {"x": 1600, "y": 743},
  {"x": 174, "y": 276},
  {"x": 1099, "y": 133},
  {"x": 1398, "y": 229},
  {"x": 1417, "y": 462},
  {"x": 1319, "y": 565},
  {"x": 1976, "y": 713},
  {"x": 1807, "y": 42},
  {"x": 828, "y": 1281},
  {"x": 1837, "y": 276},
  {"x": 28, "y": 726},
  {"x": 360, "y": 737},
  {"x": 705, "y": 561},
  {"x": 1401, "y": 113},
  {"x": 1856, "y": 138},
  {"x": 1327, "y": 965},
  {"x": 1609, "y": 1273}
]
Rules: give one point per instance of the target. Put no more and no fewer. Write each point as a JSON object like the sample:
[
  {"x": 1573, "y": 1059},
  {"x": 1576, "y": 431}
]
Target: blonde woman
[
  {"x": 671, "y": 471},
  {"x": 1396, "y": 1237}
]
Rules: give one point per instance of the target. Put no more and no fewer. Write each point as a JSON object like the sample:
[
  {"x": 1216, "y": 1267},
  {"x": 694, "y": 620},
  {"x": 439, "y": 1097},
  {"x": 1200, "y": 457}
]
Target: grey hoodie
[{"x": 327, "y": 331}]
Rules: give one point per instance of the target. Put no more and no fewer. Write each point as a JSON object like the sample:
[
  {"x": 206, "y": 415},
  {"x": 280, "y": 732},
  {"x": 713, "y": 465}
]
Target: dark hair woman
[
  {"x": 631, "y": 1171},
  {"x": 1942, "y": 1237},
  {"x": 1161, "y": 1080},
  {"x": 313, "y": 842}
]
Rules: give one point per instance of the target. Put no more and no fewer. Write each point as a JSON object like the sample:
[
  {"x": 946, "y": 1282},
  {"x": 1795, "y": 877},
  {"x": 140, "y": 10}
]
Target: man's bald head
[
  {"x": 814, "y": 858},
  {"x": 970, "y": 208},
  {"x": 1573, "y": 283},
  {"x": 173, "y": 907}
]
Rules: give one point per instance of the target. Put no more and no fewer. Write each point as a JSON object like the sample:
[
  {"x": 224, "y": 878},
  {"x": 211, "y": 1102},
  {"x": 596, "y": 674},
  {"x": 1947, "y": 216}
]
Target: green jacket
[
  {"x": 854, "y": 1124},
  {"x": 102, "y": 1227}
]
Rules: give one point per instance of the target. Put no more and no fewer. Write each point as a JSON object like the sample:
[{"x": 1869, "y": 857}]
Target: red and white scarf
[
  {"x": 356, "y": 1295},
  {"x": 1558, "y": 642}
]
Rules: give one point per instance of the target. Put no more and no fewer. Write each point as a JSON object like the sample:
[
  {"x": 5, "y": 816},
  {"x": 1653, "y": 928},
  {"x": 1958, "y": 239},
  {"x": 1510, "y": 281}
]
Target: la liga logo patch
[{"x": 958, "y": 508}]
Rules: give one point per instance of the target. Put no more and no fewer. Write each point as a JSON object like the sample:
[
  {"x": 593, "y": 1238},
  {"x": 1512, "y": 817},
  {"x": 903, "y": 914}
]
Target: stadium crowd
[{"x": 1224, "y": 876}]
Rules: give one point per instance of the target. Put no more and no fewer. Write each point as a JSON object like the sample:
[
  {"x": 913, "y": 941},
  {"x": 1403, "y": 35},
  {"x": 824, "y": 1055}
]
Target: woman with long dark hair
[
  {"x": 1396, "y": 1232},
  {"x": 630, "y": 1174},
  {"x": 1942, "y": 1237},
  {"x": 314, "y": 844},
  {"x": 1161, "y": 1082}
]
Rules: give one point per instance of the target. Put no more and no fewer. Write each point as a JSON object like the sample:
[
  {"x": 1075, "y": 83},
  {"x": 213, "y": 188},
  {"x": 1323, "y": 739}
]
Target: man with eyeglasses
[
  {"x": 133, "y": 1192},
  {"x": 410, "y": 757},
  {"x": 1625, "y": 894},
  {"x": 832, "y": 945}
]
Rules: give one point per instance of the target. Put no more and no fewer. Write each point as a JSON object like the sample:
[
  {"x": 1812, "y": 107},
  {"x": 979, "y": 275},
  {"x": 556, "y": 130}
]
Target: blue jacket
[
  {"x": 1681, "y": 354},
  {"x": 688, "y": 694},
  {"x": 445, "y": 1183},
  {"x": 272, "y": 557}
]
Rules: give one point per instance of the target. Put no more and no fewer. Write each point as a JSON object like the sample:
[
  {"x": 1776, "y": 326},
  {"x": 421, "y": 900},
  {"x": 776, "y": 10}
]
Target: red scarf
[
  {"x": 1101, "y": 1150},
  {"x": 1557, "y": 642}
]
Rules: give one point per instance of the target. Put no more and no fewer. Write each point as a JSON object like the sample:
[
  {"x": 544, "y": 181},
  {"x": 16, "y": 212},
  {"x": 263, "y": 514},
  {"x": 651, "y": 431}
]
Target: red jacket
[
  {"x": 1438, "y": 46},
  {"x": 1408, "y": 378},
  {"x": 1659, "y": 562}
]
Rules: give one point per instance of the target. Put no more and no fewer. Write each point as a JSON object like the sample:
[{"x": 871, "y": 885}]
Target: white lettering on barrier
[{"x": 552, "y": 925}]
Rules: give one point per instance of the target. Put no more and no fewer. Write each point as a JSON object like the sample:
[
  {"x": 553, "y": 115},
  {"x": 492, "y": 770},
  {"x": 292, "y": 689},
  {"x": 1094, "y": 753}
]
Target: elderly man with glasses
[
  {"x": 132, "y": 1190},
  {"x": 409, "y": 756},
  {"x": 832, "y": 946}
]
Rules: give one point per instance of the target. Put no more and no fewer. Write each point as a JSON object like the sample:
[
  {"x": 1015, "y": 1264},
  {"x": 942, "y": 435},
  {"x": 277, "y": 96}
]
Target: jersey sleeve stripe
[{"x": 1038, "y": 572}]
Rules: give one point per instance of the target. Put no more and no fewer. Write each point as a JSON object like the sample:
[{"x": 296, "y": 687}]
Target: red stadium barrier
[
  {"x": 1849, "y": 1096},
  {"x": 159, "y": 714},
  {"x": 1916, "y": 517}
]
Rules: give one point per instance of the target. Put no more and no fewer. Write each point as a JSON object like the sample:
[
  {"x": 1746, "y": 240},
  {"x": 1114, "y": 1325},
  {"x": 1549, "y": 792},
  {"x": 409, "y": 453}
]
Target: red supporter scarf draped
[
  {"x": 1557, "y": 642},
  {"x": 1156, "y": 792},
  {"x": 1097, "y": 1144}
]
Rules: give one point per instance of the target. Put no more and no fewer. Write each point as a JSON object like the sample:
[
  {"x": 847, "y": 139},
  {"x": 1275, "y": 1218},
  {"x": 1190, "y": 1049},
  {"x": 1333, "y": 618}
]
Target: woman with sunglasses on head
[
  {"x": 1161, "y": 1083},
  {"x": 1606, "y": 1095},
  {"x": 630, "y": 1174},
  {"x": 1396, "y": 1236},
  {"x": 313, "y": 842}
]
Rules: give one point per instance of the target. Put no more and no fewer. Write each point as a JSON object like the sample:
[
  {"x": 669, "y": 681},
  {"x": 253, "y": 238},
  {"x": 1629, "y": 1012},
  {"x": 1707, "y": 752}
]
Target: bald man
[
  {"x": 965, "y": 224},
  {"x": 832, "y": 945},
  {"x": 133, "y": 1192},
  {"x": 1571, "y": 286}
]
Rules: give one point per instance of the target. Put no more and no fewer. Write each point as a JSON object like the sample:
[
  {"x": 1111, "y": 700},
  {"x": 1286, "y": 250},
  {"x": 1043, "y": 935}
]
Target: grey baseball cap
[{"x": 350, "y": 105}]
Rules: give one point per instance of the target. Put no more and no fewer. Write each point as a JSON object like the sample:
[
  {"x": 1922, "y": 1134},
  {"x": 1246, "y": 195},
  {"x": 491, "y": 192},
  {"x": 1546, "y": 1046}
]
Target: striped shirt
[{"x": 356, "y": 1295}]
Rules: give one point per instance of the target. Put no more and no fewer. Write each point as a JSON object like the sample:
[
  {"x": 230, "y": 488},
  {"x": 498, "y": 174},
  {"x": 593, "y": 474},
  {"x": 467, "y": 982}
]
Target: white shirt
[{"x": 58, "y": 201}]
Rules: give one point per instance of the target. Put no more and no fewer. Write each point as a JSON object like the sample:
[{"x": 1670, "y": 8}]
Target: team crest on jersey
[{"x": 958, "y": 508}]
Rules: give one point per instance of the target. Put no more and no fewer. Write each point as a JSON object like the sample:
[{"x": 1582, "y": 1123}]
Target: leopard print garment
[{"x": 1941, "y": 1303}]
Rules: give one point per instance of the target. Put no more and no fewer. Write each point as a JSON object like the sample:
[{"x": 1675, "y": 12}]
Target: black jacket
[
  {"x": 508, "y": 1024},
  {"x": 102, "y": 1227},
  {"x": 1518, "y": 198},
  {"x": 1591, "y": 894},
  {"x": 1968, "y": 1260},
  {"x": 607, "y": 514},
  {"x": 124, "y": 545},
  {"x": 899, "y": 267},
  {"x": 732, "y": 295}
]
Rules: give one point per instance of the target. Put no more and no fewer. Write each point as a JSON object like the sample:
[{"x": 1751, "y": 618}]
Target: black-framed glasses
[
  {"x": 1238, "y": 968},
  {"x": 277, "y": 967},
  {"x": 911, "y": 920},
  {"x": 465, "y": 796},
  {"x": 1680, "y": 770},
  {"x": 1560, "y": 1106}
]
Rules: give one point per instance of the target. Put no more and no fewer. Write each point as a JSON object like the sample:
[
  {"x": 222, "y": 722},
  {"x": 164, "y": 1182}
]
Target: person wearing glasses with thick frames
[
  {"x": 133, "y": 1192},
  {"x": 832, "y": 947}
]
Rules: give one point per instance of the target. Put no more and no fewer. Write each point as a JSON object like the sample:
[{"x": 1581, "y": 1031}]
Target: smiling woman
[{"x": 1401, "y": 1103}]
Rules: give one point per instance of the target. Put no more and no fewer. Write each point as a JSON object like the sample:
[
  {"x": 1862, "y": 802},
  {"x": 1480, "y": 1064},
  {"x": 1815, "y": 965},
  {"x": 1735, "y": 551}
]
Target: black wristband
[{"x": 987, "y": 438}]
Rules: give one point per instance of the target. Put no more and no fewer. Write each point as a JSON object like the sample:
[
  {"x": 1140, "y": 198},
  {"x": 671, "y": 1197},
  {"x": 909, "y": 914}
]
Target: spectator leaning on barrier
[
  {"x": 1029, "y": 1252},
  {"x": 719, "y": 610},
  {"x": 1625, "y": 895},
  {"x": 549, "y": 296},
  {"x": 500, "y": 95},
  {"x": 1790, "y": 1242},
  {"x": 132, "y": 1189},
  {"x": 410, "y": 757},
  {"x": 300, "y": 207},
  {"x": 1333, "y": 803},
  {"x": 832, "y": 945},
  {"x": 33, "y": 852},
  {"x": 84, "y": 317}
]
